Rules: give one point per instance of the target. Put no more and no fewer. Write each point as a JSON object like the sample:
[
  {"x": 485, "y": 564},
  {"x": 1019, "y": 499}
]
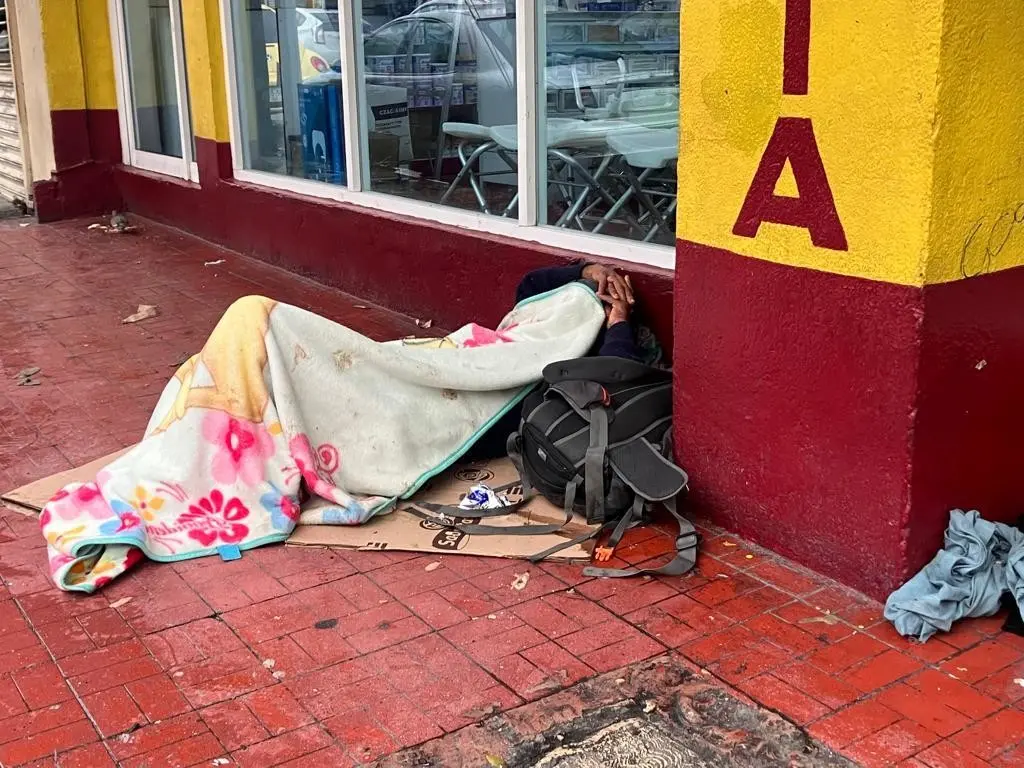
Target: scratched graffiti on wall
[{"x": 989, "y": 237}]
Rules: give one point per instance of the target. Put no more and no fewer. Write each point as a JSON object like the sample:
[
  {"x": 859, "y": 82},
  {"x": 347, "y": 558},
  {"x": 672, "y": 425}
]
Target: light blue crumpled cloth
[{"x": 981, "y": 560}]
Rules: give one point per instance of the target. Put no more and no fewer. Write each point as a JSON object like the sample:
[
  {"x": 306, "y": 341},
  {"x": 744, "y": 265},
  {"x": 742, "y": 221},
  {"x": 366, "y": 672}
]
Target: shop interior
[{"x": 438, "y": 100}]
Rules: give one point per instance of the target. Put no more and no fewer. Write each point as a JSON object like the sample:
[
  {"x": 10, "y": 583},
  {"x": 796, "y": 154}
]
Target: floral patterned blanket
[{"x": 282, "y": 405}]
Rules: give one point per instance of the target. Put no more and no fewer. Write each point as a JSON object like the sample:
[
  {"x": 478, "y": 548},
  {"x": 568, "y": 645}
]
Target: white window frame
[
  {"x": 183, "y": 167},
  {"x": 526, "y": 228}
]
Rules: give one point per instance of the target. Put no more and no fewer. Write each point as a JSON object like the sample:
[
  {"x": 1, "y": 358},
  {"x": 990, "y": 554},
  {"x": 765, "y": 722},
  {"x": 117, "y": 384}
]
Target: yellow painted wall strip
[{"x": 204, "y": 54}]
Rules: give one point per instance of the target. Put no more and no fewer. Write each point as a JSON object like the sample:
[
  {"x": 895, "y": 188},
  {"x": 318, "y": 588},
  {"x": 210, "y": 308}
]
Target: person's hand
[
  {"x": 611, "y": 286},
  {"x": 617, "y": 312}
]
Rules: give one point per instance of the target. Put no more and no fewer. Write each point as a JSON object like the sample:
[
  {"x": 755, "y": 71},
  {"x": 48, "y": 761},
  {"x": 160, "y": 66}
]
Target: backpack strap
[
  {"x": 604, "y": 370},
  {"x": 593, "y": 463},
  {"x": 631, "y": 518},
  {"x": 686, "y": 553},
  {"x": 646, "y": 471}
]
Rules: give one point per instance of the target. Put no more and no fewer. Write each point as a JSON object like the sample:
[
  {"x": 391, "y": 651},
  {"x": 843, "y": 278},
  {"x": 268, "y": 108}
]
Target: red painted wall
[
  {"x": 837, "y": 420},
  {"x": 969, "y": 432},
  {"x": 85, "y": 145},
  {"x": 794, "y": 401}
]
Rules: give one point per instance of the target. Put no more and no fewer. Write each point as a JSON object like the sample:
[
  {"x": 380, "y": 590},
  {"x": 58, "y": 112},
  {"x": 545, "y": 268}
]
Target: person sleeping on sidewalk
[{"x": 620, "y": 337}]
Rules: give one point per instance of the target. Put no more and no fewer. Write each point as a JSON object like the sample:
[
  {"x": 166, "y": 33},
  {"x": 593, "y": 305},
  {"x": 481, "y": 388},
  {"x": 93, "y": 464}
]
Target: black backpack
[{"x": 595, "y": 438}]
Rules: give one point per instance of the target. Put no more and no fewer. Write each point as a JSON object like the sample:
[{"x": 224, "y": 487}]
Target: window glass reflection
[
  {"x": 153, "y": 76},
  {"x": 288, "y": 64},
  {"x": 438, "y": 83},
  {"x": 610, "y": 131}
]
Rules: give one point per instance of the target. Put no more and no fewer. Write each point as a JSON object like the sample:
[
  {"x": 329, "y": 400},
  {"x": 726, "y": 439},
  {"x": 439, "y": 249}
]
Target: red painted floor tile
[
  {"x": 92, "y": 756},
  {"x": 749, "y": 663},
  {"x": 724, "y": 588},
  {"x": 891, "y": 744},
  {"x": 277, "y": 709},
  {"x": 281, "y": 749},
  {"x": 753, "y": 603},
  {"x": 1011, "y": 758},
  {"x": 158, "y": 697},
  {"x": 924, "y": 709},
  {"x": 663, "y": 626},
  {"x": 993, "y": 735},
  {"x": 1005, "y": 685},
  {"x": 785, "y": 635},
  {"x": 853, "y": 723},
  {"x": 363, "y": 737},
  {"x": 335, "y": 757},
  {"x": 954, "y": 693},
  {"x": 234, "y": 724},
  {"x": 436, "y": 610},
  {"x": 831, "y": 691},
  {"x": 223, "y": 677},
  {"x": 787, "y": 579},
  {"x": 114, "y": 711},
  {"x": 879, "y": 671},
  {"x": 156, "y": 736},
  {"x": 784, "y": 699},
  {"x": 981, "y": 661},
  {"x": 60, "y": 739},
  {"x": 715, "y": 647},
  {"x": 114, "y": 675},
  {"x": 41, "y": 685},
  {"x": 946, "y": 754},
  {"x": 197, "y": 750},
  {"x": 845, "y": 653},
  {"x": 827, "y": 627},
  {"x": 11, "y": 702},
  {"x": 412, "y": 653}
]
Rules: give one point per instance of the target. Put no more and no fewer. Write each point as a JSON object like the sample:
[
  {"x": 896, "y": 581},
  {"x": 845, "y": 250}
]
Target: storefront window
[
  {"x": 609, "y": 133},
  {"x": 432, "y": 101},
  {"x": 288, "y": 65},
  {"x": 439, "y": 93},
  {"x": 150, "y": 29}
]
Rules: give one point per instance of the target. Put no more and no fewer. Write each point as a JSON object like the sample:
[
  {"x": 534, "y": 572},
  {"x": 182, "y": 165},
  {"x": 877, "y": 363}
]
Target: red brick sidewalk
[{"x": 305, "y": 657}]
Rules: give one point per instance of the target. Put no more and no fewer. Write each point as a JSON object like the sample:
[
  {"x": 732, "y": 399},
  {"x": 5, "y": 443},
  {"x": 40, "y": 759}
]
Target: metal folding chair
[
  {"x": 474, "y": 141},
  {"x": 647, "y": 165}
]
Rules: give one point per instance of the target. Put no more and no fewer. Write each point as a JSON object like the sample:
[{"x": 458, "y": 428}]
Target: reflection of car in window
[
  {"x": 488, "y": 42},
  {"x": 318, "y": 41}
]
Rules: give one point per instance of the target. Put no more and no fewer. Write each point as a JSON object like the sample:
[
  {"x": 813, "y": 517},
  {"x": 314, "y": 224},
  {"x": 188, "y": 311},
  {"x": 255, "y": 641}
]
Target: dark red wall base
[
  {"x": 419, "y": 267},
  {"x": 969, "y": 433},
  {"x": 818, "y": 414},
  {"x": 85, "y": 145}
]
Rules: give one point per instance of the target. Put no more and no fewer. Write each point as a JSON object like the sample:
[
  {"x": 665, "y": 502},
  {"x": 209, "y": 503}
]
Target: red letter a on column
[{"x": 814, "y": 209}]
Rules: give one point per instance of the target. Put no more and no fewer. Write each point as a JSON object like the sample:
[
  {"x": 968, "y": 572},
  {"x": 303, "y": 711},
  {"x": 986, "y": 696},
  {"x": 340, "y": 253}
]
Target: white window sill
[{"x": 602, "y": 246}]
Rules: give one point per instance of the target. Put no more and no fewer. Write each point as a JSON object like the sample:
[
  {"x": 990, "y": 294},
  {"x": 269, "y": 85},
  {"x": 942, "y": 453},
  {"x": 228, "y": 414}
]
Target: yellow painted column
[
  {"x": 62, "y": 43},
  {"x": 79, "y": 54},
  {"x": 204, "y": 55},
  {"x": 850, "y": 267},
  {"x": 915, "y": 145}
]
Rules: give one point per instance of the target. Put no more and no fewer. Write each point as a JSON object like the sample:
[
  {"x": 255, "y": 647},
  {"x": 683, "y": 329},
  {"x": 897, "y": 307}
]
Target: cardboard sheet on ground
[
  {"x": 405, "y": 532},
  {"x": 396, "y": 531},
  {"x": 31, "y": 498}
]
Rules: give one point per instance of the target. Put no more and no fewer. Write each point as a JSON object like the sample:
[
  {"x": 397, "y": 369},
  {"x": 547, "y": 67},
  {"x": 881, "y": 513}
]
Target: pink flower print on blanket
[
  {"x": 242, "y": 448},
  {"x": 314, "y": 466},
  {"x": 76, "y": 501},
  {"x": 483, "y": 337},
  {"x": 317, "y": 470},
  {"x": 212, "y": 519}
]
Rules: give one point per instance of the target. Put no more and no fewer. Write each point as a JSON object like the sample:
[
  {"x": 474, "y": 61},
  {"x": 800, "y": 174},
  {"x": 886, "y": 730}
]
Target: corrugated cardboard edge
[
  {"x": 404, "y": 532},
  {"x": 31, "y": 498}
]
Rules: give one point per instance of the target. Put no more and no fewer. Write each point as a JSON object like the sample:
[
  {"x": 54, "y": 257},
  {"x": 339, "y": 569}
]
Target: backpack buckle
[
  {"x": 603, "y": 554},
  {"x": 687, "y": 540}
]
